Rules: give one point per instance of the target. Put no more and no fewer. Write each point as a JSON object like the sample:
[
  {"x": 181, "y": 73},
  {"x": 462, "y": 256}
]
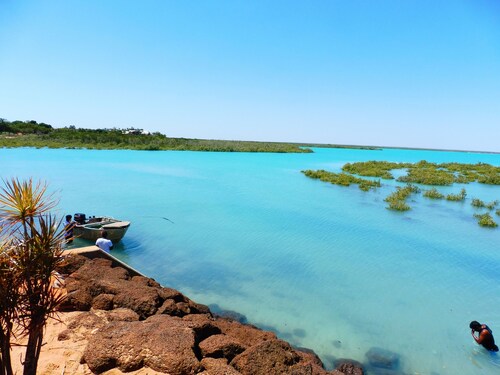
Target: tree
[{"x": 31, "y": 249}]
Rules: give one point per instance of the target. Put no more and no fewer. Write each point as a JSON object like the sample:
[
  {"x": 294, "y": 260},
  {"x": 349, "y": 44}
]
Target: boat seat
[{"x": 117, "y": 225}]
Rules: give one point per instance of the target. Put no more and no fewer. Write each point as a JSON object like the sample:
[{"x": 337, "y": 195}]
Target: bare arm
[{"x": 474, "y": 336}]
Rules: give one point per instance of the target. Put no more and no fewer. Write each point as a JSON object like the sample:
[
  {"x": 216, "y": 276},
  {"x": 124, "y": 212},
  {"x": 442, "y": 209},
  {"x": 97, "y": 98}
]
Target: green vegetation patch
[
  {"x": 457, "y": 197},
  {"x": 433, "y": 194},
  {"x": 428, "y": 176},
  {"x": 374, "y": 168},
  {"x": 478, "y": 203},
  {"x": 422, "y": 172},
  {"x": 342, "y": 179},
  {"x": 428, "y": 173},
  {"x": 397, "y": 199},
  {"x": 485, "y": 220}
]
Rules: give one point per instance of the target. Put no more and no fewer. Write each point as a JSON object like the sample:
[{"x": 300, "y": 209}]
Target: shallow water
[{"x": 326, "y": 267}]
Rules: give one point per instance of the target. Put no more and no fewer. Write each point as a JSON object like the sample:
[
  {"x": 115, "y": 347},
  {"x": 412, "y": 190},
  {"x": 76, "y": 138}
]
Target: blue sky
[{"x": 392, "y": 73}]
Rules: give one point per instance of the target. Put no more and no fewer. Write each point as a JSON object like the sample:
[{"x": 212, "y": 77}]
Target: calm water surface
[{"x": 326, "y": 267}]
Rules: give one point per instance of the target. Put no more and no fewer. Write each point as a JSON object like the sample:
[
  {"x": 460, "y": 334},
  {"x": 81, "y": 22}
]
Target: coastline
[{"x": 115, "y": 320}]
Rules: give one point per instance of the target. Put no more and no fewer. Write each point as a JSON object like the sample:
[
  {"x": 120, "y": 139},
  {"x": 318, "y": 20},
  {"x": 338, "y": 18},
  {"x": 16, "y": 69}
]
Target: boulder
[
  {"x": 198, "y": 308},
  {"x": 103, "y": 302},
  {"x": 221, "y": 346},
  {"x": 76, "y": 300},
  {"x": 169, "y": 308},
  {"x": 163, "y": 344},
  {"x": 309, "y": 356},
  {"x": 229, "y": 314},
  {"x": 71, "y": 263},
  {"x": 274, "y": 357},
  {"x": 145, "y": 281},
  {"x": 100, "y": 269},
  {"x": 169, "y": 293},
  {"x": 122, "y": 315},
  {"x": 217, "y": 366},
  {"x": 142, "y": 299},
  {"x": 349, "y": 367},
  {"x": 382, "y": 358},
  {"x": 245, "y": 333}
]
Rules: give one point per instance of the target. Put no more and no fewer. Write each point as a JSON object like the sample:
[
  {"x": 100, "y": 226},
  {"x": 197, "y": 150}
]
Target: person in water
[
  {"x": 103, "y": 243},
  {"x": 485, "y": 336}
]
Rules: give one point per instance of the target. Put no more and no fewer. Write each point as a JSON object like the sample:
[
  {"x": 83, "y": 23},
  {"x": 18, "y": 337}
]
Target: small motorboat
[{"x": 91, "y": 228}]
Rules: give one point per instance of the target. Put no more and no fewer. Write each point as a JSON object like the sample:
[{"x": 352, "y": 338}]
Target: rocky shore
[{"x": 128, "y": 323}]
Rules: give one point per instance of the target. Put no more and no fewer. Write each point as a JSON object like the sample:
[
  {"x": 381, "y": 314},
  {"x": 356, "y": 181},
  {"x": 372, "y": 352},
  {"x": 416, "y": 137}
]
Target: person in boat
[
  {"x": 103, "y": 243},
  {"x": 485, "y": 336},
  {"x": 69, "y": 224}
]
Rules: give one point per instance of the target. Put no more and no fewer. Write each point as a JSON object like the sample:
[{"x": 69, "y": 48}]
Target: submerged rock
[
  {"x": 382, "y": 358},
  {"x": 349, "y": 366}
]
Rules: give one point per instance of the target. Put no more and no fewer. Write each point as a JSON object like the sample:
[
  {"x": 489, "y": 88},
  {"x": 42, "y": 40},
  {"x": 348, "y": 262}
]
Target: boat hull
[{"x": 92, "y": 231}]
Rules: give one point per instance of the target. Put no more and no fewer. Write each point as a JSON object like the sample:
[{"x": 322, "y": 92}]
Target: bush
[
  {"x": 398, "y": 205},
  {"x": 397, "y": 199},
  {"x": 485, "y": 220},
  {"x": 478, "y": 203},
  {"x": 433, "y": 194},
  {"x": 457, "y": 197},
  {"x": 342, "y": 179}
]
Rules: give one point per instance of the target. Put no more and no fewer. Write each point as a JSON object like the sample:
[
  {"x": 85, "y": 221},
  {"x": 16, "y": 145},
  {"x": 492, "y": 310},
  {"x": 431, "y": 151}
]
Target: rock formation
[{"x": 134, "y": 322}]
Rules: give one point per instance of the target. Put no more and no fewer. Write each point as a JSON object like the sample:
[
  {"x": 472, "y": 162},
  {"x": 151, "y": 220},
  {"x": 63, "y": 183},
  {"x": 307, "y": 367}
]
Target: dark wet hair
[
  {"x": 104, "y": 234},
  {"x": 476, "y": 326},
  {"x": 68, "y": 217}
]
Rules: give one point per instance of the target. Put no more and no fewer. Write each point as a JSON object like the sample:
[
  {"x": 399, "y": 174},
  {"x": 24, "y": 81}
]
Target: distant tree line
[{"x": 33, "y": 134}]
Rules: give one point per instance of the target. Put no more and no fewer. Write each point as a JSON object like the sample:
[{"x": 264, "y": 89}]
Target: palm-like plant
[
  {"x": 33, "y": 247},
  {"x": 9, "y": 300}
]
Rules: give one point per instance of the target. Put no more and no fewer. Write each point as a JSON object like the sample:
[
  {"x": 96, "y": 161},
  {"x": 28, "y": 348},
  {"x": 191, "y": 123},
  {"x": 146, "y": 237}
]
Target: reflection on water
[{"x": 323, "y": 266}]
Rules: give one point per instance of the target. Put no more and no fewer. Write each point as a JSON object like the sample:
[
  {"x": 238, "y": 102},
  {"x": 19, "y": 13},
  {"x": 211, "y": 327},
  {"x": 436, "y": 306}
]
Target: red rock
[
  {"x": 273, "y": 357},
  {"x": 155, "y": 343},
  {"x": 217, "y": 366},
  {"x": 103, "y": 302},
  {"x": 245, "y": 333},
  {"x": 221, "y": 346}
]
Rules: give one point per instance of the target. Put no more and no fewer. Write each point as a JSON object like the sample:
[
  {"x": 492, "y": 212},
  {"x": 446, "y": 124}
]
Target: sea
[{"x": 325, "y": 267}]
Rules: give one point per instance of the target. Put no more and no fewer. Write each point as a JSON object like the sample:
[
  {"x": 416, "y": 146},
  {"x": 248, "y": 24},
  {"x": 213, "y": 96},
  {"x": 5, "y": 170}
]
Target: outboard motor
[{"x": 79, "y": 218}]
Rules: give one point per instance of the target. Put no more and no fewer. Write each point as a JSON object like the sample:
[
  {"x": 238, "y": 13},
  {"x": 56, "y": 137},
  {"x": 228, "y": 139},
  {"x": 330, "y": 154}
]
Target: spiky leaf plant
[{"x": 34, "y": 240}]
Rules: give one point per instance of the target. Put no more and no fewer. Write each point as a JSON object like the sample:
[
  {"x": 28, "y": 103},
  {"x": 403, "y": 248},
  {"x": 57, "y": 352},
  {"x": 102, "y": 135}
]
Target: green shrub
[
  {"x": 478, "y": 203},
  {"x": 374, "y": 168},
  {"x": 485, "y": 220},
  {"x": 433, "y": 194},
  {"x": 398, "y": 205},
  {"x": 342, "y": 179},
  {"x": 428, "y": 176},
  {"x": 491, "y": 205},
  {"x": 457, "y": 197},
  {"x": 397, "y": 199}
]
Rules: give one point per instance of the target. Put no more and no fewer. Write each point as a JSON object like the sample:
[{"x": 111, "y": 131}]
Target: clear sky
[{"x": 412, "y": 73}]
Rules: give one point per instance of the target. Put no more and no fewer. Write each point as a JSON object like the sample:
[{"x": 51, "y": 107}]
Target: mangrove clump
[
  {"x": 457, "y": 197},
  {"x": 433, "y": 194},
  {"x": 478, "y": 203},
  {"x": 342, "y": 179},
  {"x": 485, "y": 220},
  {"x": 397, "y": 199}
]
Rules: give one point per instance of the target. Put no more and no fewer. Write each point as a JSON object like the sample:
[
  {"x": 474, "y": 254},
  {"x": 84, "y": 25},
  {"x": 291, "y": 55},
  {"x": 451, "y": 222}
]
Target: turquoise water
[{"x": 326, "y": 267}]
